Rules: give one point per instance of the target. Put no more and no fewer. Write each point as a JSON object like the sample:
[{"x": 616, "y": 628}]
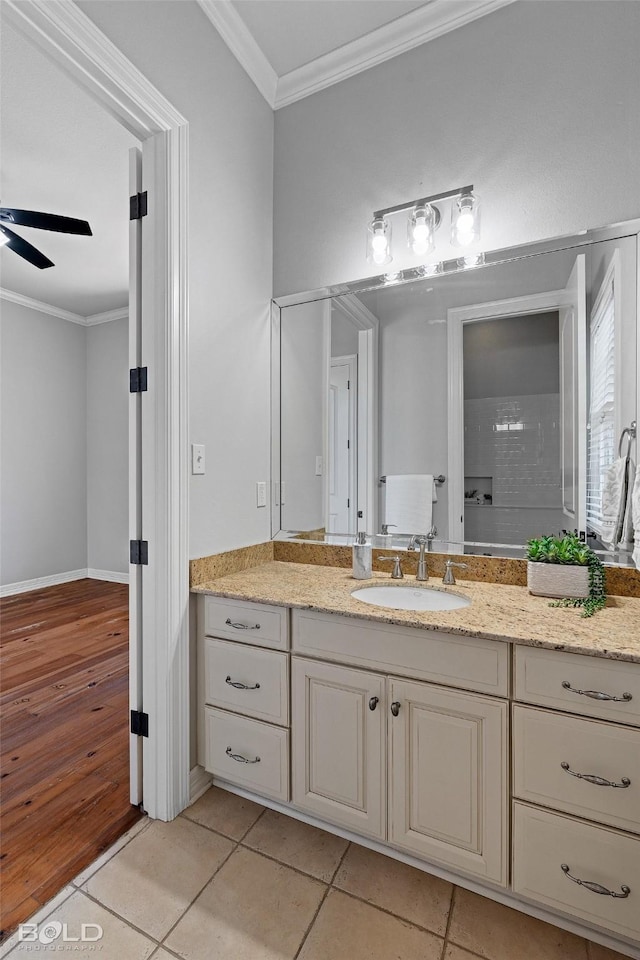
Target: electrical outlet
[
  {"x": 197, "y": 458},
  {"x": 318, "y": 466},
  {"x": 261, "y": 493}
]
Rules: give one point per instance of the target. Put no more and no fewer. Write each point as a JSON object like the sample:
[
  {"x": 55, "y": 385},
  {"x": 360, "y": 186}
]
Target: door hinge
[
  {"x": 139, "y": 723},
  {"x": 348, "y": 444},
  {"x": 348, "y": 384},
  {"x": 348, "y": 503},
  {"x": 137, "y": 379},
  {"x": 139, "y": 552},
  {"x": 138, "y": 206}
]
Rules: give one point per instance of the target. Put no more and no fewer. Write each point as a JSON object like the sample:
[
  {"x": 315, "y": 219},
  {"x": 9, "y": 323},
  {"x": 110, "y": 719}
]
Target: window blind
[{"x": 601, "y": 446}]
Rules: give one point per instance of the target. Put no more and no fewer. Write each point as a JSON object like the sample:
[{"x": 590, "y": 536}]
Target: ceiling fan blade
[
  {"x": 24, "y": 249},
  {"x": 45, "y": 221}
]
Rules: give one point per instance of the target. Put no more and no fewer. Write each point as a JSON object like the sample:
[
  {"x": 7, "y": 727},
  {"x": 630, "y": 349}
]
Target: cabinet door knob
[
  {"x": 373, "y": 703},
  {"x": 395, "y": 708}
]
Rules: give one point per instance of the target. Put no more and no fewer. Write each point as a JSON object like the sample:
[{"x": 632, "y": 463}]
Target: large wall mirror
[{"x": 484, "y": 403}]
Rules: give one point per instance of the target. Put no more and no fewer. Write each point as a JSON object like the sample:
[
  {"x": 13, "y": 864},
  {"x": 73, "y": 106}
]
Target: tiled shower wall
[{"x": 516, "y": 442}]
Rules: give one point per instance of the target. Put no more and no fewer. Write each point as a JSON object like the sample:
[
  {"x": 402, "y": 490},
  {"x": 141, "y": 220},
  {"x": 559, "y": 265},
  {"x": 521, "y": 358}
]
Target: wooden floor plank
[{"x": 64, "y": 761}]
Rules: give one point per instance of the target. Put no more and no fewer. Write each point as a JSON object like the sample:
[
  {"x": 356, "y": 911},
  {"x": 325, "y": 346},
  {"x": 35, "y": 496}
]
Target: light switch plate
[
  {"x": 261, "y": 493},
  {"x": 197, "y": 458}
]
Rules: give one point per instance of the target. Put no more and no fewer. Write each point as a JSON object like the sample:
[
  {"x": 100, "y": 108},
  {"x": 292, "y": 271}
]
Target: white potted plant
[{"x": 567, "y": 569}]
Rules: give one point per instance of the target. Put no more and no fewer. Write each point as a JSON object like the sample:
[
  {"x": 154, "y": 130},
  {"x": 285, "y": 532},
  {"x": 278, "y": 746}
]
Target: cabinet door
[
  {"x": 338, "y": 762},
  {"x": 448, "y": 777}
]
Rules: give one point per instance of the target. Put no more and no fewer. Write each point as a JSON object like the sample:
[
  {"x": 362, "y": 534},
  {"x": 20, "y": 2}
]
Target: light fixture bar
[{"x": 422, "y": 201}]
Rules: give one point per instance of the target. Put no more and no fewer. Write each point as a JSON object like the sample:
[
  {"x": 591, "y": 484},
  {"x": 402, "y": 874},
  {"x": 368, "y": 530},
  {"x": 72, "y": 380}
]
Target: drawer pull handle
[
  {"x": 239, "y": 758},
  {"x": 241, "y": 626},
  {"x": 395, "y": 708},
  {"x": 596, "y": 694},
  {"x": 373, "y": 703},
  {"x": 597, "y": 781},
  {"x": 596, "y": 887},
  {"x": 241, "y": 686}
]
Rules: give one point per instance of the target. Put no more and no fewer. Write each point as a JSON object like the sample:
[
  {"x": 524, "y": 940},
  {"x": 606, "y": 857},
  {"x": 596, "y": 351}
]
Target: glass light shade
[
  {"x": 3, "y": 238},
  {"x": 465, "y": 220},
  {"x": 421, "y": 226},
  {"x": 379, "y": 242}
]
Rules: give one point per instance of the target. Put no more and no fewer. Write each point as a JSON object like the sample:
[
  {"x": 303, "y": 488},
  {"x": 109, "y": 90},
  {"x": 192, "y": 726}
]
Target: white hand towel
[
  {"x": 616, "y": 502},
  {"x": 409, "y": 502},
  {"x": 635, "y": 515}
]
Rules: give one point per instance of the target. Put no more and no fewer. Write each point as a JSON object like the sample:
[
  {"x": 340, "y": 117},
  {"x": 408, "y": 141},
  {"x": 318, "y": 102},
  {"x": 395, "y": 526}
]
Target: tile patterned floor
[{"x": 230, "y": 880}]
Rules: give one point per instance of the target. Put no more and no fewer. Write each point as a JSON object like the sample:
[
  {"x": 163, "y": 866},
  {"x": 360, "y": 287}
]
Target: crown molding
[
  {"x": 41, "y": 307},
  {"x": 122, "y": 313},
  {"x": 240, "y": 41},
  {"x": 51, "y": 311},
  {"x": 399, "y": 36}
]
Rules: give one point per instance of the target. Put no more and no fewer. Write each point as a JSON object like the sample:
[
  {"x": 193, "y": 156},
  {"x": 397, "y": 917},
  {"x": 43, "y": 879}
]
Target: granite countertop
[{"x": 497, "y": 611}]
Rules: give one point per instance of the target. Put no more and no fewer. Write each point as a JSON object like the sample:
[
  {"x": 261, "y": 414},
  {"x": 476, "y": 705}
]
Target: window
[{"x": 601, "y": 445}]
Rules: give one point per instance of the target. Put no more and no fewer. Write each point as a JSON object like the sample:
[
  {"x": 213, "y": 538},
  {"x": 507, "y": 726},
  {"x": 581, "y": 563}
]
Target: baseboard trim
[
  {"x": 111, "y": 575},
  {"x": 199, "y": 783},
  {"x": 24, "y": 586}
]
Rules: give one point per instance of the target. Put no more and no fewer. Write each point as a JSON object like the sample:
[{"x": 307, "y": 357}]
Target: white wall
[
  {"x": 303, "y": 394},
  {"x": 107, "y": 424},
  {"x": 535, "y": 104},
  {"x": 43, "y": 493},
  {"x": 230, "y": 254}
]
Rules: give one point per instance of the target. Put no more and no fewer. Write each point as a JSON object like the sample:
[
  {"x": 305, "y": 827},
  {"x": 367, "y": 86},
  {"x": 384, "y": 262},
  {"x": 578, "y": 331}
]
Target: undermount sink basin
[{"x": 409, "y": 598}]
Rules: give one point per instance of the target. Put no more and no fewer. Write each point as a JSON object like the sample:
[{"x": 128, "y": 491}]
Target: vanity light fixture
[
  {"x": 3, "y": 238},
  {"x": 379, "y": 241},
  {"x": 423, "y": 220}
]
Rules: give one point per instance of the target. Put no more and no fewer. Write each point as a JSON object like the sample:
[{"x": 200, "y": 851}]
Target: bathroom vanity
[{"x": 497, "y": 745}]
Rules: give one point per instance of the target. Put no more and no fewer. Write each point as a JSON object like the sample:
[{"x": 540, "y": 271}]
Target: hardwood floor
[{"x": 64, "y": 760}]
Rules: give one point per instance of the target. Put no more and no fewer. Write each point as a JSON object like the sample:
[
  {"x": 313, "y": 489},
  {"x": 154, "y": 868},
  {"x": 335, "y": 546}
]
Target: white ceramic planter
[{"x": 558, "y": 580}]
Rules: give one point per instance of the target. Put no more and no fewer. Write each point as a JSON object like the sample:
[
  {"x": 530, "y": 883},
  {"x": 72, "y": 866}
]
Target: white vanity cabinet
[
  {"x": 511, "y": 769},
  {"x": 339, "y": 745},
  {"x": 438, "y": 754},
  {"x": 576, "y": 787}
]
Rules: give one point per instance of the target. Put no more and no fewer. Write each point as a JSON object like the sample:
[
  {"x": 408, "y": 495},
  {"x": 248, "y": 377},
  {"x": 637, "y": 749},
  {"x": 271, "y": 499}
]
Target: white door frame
[
  {"x": 63, "y": 32},
  {"x": 351, "y": 361},
  {"x": 368, "y": 327},
  {"x": 456, "y": 318}
]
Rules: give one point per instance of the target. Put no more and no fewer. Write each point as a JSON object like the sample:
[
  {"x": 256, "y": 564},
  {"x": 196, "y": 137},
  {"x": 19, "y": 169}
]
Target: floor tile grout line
[
  {"x": 327, "y": 891},
  {"x": 139, "y": 830},
  {"x": 118, "y": 916},
  {"x": 283, "y": 863},
  {"x": 375, "y": 906},
  {"x": 452, "y": 904},
  {"x": 200, "y": 891}
]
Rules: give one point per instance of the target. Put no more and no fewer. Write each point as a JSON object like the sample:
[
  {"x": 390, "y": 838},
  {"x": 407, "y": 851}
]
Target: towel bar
[
  {"x": 439, "y": 479},
  {"x": 630, "y": 432}
]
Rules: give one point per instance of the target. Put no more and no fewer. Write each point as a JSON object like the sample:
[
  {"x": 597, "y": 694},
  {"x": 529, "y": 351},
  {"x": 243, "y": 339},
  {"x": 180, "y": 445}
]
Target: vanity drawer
[
  {"x": 543, "y": 741},
  {"x": 254, "y": 623},
  {"x": 247, "y": 679},
  {"x": 261, "y": 753},
  {"x": 543, "y": 841},
  {"x": 593, "y": 686},
  {"x": 449, "y": 659}
]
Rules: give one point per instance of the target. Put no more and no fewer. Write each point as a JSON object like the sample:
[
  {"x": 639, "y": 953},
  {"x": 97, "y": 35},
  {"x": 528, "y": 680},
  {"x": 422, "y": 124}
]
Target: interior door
[
  {"x": 135, "y": 479},
  {"x": 342, "y": 444},
  {"x": 573, "y": 396}
]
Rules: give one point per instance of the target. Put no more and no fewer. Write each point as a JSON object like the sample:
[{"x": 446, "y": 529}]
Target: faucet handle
[
  {"x": 385, "y": 529},
  {"x": 396, "y": 573},
  {"x": 449, "y": 576}
]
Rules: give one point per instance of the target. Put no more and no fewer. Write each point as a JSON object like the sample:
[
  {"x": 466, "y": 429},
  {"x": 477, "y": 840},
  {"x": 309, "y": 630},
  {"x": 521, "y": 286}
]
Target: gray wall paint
[
  {"x": 230, "y": 254},
  {"x": 108, "y": 446},
  {"x": 514, "y": 356},
  {"x": 344, "y": 336},
  {"x": 550, "y": 151},
  {"x": 43, "y": 445},
  {"x": 302, "y": 397}
]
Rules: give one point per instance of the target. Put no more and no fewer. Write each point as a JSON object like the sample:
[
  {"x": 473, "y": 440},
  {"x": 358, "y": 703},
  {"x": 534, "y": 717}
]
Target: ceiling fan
[{"x": 41, "y": 221}]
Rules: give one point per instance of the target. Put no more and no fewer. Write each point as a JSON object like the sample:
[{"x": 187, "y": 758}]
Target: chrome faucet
[
  {"x": 424, "y": 543},
  {"x": 449, "y": 576},
  {"x": 396, "y": 573}
]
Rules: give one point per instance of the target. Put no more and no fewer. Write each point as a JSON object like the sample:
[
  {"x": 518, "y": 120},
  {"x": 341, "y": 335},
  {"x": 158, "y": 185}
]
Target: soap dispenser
[{"x": 361, "y": 557}]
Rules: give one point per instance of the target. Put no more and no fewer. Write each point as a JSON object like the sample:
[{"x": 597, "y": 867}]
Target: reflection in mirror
[{"x": 512, "y": 383}]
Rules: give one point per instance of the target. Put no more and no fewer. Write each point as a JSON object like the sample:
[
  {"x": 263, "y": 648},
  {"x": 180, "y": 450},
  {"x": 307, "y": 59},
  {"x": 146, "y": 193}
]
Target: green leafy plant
[{"x": 569, "y": 549}]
